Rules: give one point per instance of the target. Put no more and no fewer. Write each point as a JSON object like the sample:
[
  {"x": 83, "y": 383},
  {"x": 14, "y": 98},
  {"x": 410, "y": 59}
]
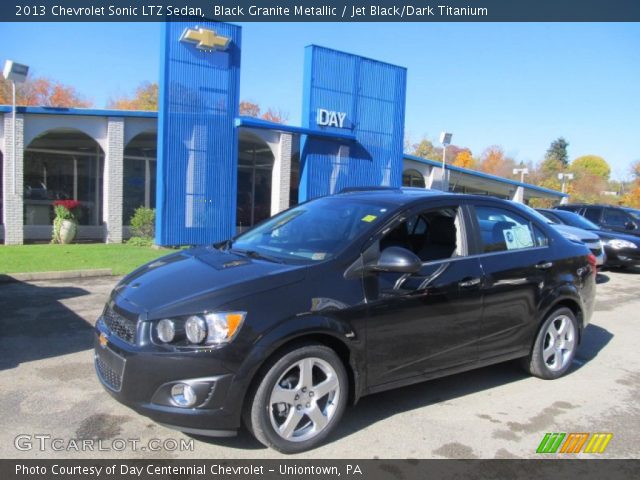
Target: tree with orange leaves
[
  {"x": 144, "y": 98},
  {"x": 42, "y": 91},
  {"x": 251, "y": 109},
  {"x": 464, "y": 159},
  {"x": 495, "y": 162}
]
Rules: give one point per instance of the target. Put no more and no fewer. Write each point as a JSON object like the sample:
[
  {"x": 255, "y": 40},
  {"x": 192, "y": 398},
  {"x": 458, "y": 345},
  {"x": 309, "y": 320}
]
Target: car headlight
[
  {"x": 203, "y": 329},
  {"x": 196, "y": 329},
  {"x": 618, "y": 244},
  {"x": 166, "y": 330}
]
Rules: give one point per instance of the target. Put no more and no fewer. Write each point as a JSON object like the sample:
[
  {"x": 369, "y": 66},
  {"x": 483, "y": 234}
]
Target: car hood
[
  {"x": 609, "y": 235},
  {"x": 583, "y": 235},
  {"x": 200, "y": 279}
]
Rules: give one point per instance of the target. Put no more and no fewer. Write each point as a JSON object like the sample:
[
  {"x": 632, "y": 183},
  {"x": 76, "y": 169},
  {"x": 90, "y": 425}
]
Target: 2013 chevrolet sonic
[{"x": 337, "y": 298}]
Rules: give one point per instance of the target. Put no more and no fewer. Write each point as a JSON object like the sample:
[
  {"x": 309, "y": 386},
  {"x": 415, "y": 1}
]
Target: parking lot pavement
[{"x": 48, "y": 387}]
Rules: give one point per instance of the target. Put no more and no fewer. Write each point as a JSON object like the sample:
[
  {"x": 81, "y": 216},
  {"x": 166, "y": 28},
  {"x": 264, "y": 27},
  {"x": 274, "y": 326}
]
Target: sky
[{"x": 517, "y": 85}]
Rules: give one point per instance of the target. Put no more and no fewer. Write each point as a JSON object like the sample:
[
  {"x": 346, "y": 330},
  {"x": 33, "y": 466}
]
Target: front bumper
[
  {"x": 622, "y": 257},
  {"x": 141, "y": 377}
]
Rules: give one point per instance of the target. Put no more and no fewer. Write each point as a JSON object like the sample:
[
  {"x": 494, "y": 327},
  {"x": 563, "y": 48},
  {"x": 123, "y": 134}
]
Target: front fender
[{"x": 324, "y": 328}]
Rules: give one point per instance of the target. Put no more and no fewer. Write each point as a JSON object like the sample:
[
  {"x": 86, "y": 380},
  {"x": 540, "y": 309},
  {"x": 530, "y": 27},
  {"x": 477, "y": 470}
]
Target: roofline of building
[
  {"x": 92, "y": 112},
  {"x": 251, "y": 122},
  {"x": 486, "y": 176}
]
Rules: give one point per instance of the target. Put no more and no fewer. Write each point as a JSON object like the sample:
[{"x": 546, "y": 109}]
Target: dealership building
[{"x": 207, "y": 170}]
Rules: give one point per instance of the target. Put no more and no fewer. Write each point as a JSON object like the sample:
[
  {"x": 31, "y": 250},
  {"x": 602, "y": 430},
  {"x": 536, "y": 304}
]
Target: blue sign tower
[
  {"x": 197, "y": 138},
  {"x": 346, "y": 93}
]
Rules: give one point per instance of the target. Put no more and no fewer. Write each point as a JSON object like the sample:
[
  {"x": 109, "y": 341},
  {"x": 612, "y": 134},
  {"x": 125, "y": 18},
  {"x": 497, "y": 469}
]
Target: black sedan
[
  {"x": 340, "y": 297},
  {"x": 622, "y": 250}
]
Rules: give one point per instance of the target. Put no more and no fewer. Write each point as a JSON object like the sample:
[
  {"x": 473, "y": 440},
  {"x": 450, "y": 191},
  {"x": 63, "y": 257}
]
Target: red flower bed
[{"x": 68, "y": 204}]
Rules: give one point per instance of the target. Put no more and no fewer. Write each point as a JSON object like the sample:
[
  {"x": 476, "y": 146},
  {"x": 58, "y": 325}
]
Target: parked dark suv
[
  {"x": 616, "y": 219},
  {"x": 338, "y": 298}
]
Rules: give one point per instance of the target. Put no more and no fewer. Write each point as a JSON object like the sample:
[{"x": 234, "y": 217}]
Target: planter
[{"x": 68, "y": 230}]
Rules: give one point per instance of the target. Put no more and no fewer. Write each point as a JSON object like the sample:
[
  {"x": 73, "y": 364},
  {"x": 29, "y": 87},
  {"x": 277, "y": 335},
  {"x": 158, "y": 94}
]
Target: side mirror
[{"x": 397, "y": 259}]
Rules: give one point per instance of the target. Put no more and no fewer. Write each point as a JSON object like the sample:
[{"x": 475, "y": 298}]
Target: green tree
[
  {"x": 426, "y": 149},
  {"x": 557, "y": 151},
  {"x": 591, "y": 165}
]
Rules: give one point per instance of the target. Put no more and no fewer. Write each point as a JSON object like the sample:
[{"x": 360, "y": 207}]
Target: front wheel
[
  {"x": 299, "y": 399},
  {"x": 555, "y": 346}
]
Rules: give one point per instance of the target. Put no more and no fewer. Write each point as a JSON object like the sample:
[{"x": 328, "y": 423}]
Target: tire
[
  {"x": 555, "y": 346},
  {"x": 310, "y": 405}
]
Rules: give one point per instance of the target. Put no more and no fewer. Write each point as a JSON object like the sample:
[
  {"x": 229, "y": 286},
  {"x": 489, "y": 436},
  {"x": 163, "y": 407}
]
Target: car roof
[{"x": 408, "y": 195}]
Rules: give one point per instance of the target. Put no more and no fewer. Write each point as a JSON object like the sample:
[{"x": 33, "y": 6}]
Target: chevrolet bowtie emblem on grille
[
  {"x": 205, "y": 39},
  {"x": 103, "y": 340}
]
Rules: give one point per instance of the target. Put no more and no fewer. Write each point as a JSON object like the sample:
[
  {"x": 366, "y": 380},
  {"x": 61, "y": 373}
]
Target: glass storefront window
[
  {"x": 255, "y": 167},
  {"x": 62, "y": 165},
  {"x": 412, "y": 178},
  {"x": 139, "y": 188}
]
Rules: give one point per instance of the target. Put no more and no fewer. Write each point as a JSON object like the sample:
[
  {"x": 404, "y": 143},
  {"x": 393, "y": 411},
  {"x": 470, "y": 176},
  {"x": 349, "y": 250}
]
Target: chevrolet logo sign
[{"x": 205, "y": 39}]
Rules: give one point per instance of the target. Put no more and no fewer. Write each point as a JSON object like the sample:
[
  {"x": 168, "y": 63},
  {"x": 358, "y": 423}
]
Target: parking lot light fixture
[
  {"x": 565, "y": 178},
  {"x": 522, "y": 171}
]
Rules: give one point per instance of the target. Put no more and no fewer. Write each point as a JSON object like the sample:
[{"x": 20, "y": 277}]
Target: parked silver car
[{"x": 590, "y": 239}]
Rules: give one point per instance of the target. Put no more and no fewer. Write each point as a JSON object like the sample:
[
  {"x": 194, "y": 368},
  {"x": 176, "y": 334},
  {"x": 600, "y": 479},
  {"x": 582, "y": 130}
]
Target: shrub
[
  {"x": 140, "y": 241},
  {"x": 143, "y": 223}
]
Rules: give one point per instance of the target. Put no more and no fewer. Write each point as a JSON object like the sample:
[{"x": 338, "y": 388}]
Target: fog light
[
  {"x": 183, "y": 395},
  {"x": 166, "y": 330}
]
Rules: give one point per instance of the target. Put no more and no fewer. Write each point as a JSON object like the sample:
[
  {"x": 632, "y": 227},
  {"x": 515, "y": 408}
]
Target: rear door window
[
  {"x": 502, "y": 230},
  {"x": 593, "y": 214},
  {"x": 615, "y": 218}
]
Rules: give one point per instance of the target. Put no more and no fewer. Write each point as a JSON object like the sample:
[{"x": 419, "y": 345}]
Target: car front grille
[
  {"x": 120, "y": 326},
  {"x": 108, "y": 376}
]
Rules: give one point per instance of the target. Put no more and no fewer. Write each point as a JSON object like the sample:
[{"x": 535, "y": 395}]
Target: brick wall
[
  {"x": 13, "y": 205},
  {"x": 113, "y": 180}
]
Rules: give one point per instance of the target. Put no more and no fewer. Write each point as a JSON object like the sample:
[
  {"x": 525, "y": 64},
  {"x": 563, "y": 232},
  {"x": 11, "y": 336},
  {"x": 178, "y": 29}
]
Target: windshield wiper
[{"x": 256, "y": 255}]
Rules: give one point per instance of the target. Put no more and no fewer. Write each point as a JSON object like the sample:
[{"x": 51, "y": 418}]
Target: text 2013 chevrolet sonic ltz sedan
[{"x": 337, "y": 298}]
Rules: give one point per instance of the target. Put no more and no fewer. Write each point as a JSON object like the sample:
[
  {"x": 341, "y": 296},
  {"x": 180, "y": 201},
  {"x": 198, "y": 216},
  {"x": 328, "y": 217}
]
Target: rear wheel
[
  {"x": 299, "y": 399},
  {"x": 555, "y": 346}
]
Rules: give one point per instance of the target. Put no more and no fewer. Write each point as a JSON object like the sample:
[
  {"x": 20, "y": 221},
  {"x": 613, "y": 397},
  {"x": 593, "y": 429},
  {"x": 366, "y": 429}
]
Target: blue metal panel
[
  {"x": 197, "y": 138},
  {"x": 372, "y": 94}
]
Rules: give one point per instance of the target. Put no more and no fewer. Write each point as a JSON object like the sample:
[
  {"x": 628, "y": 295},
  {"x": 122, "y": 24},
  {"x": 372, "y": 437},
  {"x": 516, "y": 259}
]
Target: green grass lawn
[{"x": 120, "y": 258}]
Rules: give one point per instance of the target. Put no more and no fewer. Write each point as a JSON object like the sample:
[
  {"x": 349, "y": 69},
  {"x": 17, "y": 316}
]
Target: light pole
[
  {"x": 565, "y": 178},
  {"x": 522, "y": 171},
  {"x": 15, "y": 73},
  {"x": 445, "y": 140}
]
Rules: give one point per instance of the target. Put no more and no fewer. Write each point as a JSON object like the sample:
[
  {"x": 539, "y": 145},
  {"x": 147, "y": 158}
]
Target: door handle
[
  {"x": 471, "y": 282},
  {"x": 544, "y": 265}
]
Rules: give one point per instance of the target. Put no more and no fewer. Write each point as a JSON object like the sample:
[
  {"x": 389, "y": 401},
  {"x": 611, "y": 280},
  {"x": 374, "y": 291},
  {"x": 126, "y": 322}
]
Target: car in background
[
  {"x": 622, "y": 250},
  {"x": 608, "y": 217},
  {"x": 575, "y": 234},
  {"x": 339, "y": 297},
  {"x": 634, "y": 212}
]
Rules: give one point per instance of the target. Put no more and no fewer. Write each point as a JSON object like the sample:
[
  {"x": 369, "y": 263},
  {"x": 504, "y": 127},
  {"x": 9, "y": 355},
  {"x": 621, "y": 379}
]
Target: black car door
[
  {"x": 619, "y": 221},
  {"x": 427, "y": 321},
  {"x": 517, "y": 263}
]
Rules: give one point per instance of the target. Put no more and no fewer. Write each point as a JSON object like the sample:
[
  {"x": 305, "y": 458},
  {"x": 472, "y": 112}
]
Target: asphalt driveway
[{"x": 48, "y": 391}]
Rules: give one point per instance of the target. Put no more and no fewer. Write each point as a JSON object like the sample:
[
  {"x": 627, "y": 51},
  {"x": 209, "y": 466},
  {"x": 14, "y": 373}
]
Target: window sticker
[
  {"x": 318, "y": 256},
  {"x": 517, "y": 237},
  {"x": 369, "y": 218}
]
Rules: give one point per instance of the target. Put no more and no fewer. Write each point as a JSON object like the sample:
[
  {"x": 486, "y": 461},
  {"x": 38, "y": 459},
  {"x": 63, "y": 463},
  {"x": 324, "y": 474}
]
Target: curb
[{"x": 64, "y": 275}]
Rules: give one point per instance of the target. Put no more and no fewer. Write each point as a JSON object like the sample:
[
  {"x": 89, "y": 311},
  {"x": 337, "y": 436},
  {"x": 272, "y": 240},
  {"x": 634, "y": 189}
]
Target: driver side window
[{"x": 432, "y": 234}]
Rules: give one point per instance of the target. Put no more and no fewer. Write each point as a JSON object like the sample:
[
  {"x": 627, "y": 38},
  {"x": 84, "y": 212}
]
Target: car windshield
[
  {"x": 312, "y": 232},
  {"x": 634, "y": 213},
  {"x": 575, "y": 220}
]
